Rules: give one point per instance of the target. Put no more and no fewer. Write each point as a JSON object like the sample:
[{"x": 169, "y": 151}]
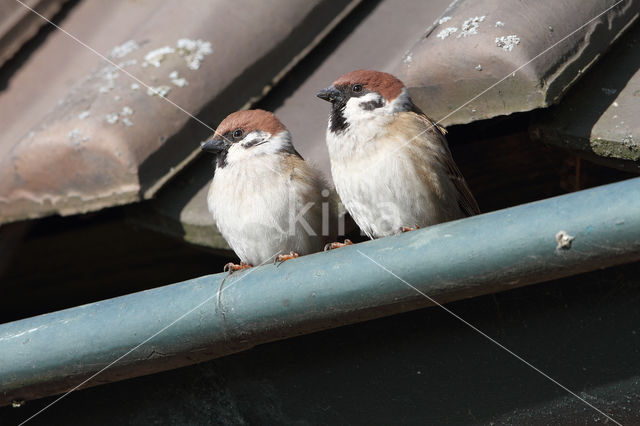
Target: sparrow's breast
[
  {"x": 255, "y": 207},
  {"x": 386, "y": 189}
]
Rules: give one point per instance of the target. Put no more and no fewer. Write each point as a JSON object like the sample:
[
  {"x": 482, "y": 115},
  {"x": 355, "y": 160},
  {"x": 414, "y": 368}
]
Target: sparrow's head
[
  {"x": 363, "y": 95},
  {"x": 248, "y": 133}
]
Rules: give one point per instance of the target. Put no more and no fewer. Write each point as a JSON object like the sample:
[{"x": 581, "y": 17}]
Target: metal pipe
[{"x": 52, "y": 353}]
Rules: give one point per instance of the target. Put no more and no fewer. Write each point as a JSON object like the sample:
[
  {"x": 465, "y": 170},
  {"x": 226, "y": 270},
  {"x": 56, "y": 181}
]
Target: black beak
[
  {"x": 330, "y": 94},
  {"x": 214, "y": 145}
]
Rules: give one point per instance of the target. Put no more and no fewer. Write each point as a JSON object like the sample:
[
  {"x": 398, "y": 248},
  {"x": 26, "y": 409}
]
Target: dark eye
[
  {"x": 357, "y": 88},
  {"x": 238, "y": 133}
]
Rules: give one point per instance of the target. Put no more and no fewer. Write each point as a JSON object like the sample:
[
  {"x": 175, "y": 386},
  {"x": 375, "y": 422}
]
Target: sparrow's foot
[
  {"x": 282, "y": 257},
  {"x": 232, "y": 267},
  {"x": 407, "y": 229},
  {"x": 336, "y": 245}
]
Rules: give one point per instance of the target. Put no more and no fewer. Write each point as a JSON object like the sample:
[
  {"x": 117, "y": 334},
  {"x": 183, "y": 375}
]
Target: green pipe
[{"x": 50, "y": 354}]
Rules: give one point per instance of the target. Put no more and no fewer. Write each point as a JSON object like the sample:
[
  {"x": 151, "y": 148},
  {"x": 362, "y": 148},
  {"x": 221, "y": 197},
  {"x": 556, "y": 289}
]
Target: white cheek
[
  {"x": 235, "y": 153},
  {"x": 354, "y": 110},
  {"x": 242, "y": 150},
  {"x": 255, "y": 137},
  {"x": 274, "y": 145},
  {"x": 265, "y": 143}
]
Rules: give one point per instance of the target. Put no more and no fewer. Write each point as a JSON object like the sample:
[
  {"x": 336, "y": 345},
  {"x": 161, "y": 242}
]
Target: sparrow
[
  {"x": 390, "y": 163},
  {"x": 266, "y": 200}
]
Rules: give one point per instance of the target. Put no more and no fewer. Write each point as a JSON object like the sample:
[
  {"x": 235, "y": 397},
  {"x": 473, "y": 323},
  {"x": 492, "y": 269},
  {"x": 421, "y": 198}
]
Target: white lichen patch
[
  {"x": 84, "y": 114},
  {"x": 124, "y": 49},
  {"x": 478, "y": 67},
  {"x": 105, "y": 89},
  {"x": 180, "y": 82},
  {"x": 446, "y": 32},
  {"x": 128, "y": 63},
  {"x": 122, "y": 116},
  {"x": 444, "y": 19},
  {"x": 156, "y": 56},
  {"x": 608, "y": 91},
  {"x": 177, "y": 80},
  {"x": 135, "y": 86},
  {"x": 161, "y": 91},
  {"x": 470, "y": 26},
  {"x": 499, "y": 24},
  {"x": 408, "y": 58},
  {"x": 112, "y": 118},
  {"x": 193, "y": 51},
  {"x": 76, "y": 136},
  {"x": 109, "y": 75},
  {"x": 507, "y": 43}
]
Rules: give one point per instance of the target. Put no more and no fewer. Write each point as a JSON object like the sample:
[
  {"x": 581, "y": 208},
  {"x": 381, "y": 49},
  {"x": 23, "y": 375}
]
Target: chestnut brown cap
[
  {"x": 249, "y": 121},
  {"x": 384, "y": 83}
]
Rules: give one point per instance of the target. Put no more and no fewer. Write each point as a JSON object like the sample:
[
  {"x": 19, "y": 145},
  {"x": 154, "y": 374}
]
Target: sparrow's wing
[
  {"x": 429, "y": 122},
  {"x": 467, "y": 202}
]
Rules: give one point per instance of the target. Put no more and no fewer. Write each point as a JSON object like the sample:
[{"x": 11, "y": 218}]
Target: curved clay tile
[
  {"x": 476, "y": 43},
  {"x": 111, "y": 140}
]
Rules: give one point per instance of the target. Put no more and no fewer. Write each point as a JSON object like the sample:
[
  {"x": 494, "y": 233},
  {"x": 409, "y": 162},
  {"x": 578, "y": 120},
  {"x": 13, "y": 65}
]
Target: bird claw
[
  {"x": 407, "y": 229},
  {"x": 282, "y": 257},
  {"x": 232, "y": 267},
  {"x": 336, "y": 245}
]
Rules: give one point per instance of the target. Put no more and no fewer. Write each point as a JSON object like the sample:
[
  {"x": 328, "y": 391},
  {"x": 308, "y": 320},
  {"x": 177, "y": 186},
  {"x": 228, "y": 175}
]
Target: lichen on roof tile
[
  {"x": 161, "y": 91},
  {"x": 507, "y": 42},
  {"x": 112, "y": 118},
  {"x": 470, "y": 26},
  {"x": 446, "y": 32},
  {"x": 177, "y": 80},
  {"x": 442, "y": 74},
  {"x": 193, "y": 51},
  {"x": 156, "y": 56},
  {"x": 124, "y": 49}
]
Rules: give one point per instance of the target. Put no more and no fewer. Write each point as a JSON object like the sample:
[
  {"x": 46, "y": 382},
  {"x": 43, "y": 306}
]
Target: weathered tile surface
[
  {"x": 110, "y": 140},
  {"x": 477, "y": 43},
  {"x": 18, "y": 24},
  {"x": 600, "y": 118}
]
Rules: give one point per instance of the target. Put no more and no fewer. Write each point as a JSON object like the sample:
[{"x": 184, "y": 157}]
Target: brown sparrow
[
  {"x": 391, "y": 164},
  {"x": 266, "y": 200}
]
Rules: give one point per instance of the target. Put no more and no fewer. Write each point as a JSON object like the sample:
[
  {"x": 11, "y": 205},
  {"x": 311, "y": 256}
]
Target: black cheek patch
[
  {"x": 221, "y": 159},
  {"x": 371, "y": 105},
  {"x": 252, "y": 143},
  {"x": 338, "y": 120}
]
